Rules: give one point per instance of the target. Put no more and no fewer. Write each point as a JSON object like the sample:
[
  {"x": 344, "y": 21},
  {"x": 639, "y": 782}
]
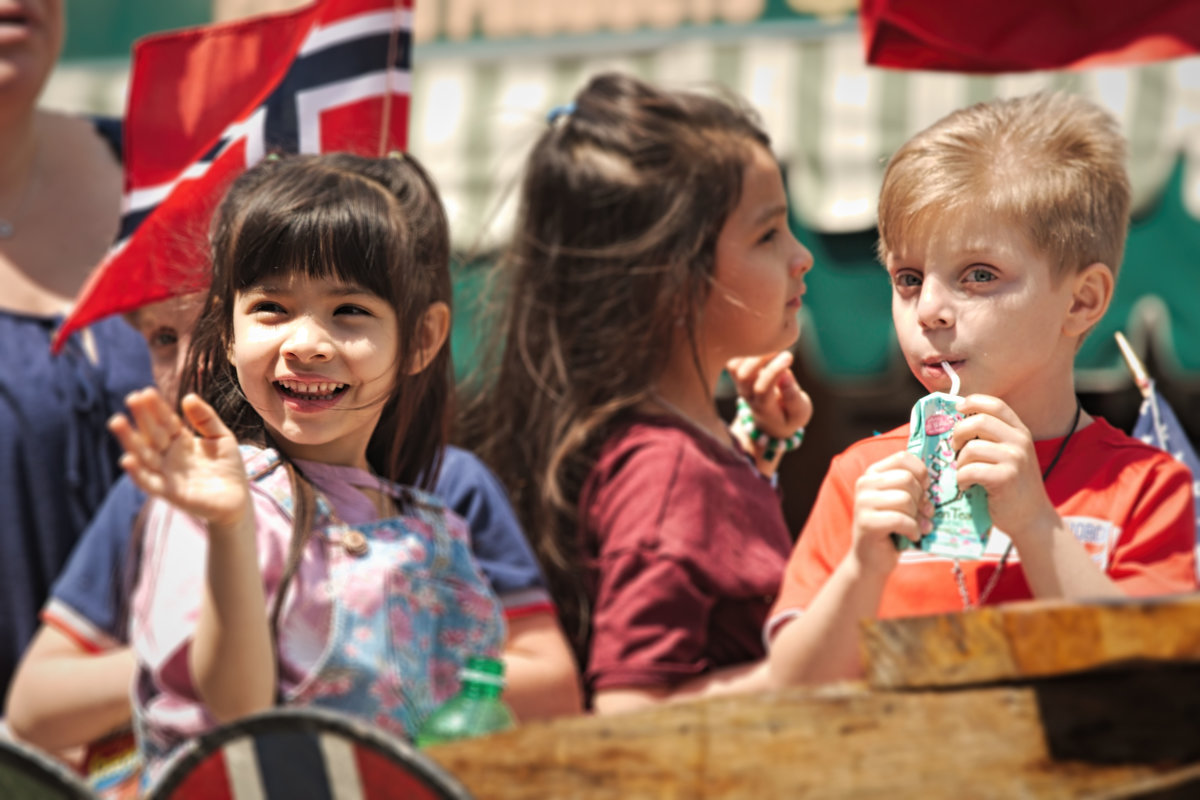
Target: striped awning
[{"x": 832, "y": 119}]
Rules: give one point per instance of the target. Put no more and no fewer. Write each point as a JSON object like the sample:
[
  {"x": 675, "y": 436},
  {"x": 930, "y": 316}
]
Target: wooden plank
[
  {"x": 849, "y": 740},
  {"x": 1029, "y": 640}
]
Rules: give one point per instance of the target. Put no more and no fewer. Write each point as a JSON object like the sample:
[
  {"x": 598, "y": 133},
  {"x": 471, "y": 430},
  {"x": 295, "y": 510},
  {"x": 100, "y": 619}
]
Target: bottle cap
[{"x": 481, "y": 669}]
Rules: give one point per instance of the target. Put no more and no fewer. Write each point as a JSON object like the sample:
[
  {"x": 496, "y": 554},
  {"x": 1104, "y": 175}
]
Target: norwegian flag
[{"x": 206, "y": 103}]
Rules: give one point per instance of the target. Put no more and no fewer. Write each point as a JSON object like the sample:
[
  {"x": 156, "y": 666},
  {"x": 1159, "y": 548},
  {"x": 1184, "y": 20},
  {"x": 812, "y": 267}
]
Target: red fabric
[
  {"x": 535, "y": 609},
  {"x": 1018, "y": 35},
  {"x": 236, "y": 89},
  {"x": 1131, "y": 502},
  {"x": 208, "y": 780},
  {"x": 385, "y": 779},
  {"x": 687, "y": 544}
]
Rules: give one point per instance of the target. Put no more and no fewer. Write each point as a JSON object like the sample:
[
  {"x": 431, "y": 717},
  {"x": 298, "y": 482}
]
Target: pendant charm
[
  {"x": 6, "y": 229},
  {"x": 354, "y": 543}
]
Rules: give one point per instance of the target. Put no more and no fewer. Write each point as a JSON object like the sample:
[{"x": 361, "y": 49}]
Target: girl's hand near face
[
  {"x": 779, "y": 405},
  {"x": 201, "y": 473}
]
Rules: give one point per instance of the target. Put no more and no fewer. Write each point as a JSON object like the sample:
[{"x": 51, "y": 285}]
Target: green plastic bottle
[{"x": 476, "y": 709}]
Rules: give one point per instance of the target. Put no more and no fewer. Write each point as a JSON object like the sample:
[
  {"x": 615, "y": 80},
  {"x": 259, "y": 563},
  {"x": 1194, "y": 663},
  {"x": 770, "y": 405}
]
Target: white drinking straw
[{"x": 953, "y": 378}]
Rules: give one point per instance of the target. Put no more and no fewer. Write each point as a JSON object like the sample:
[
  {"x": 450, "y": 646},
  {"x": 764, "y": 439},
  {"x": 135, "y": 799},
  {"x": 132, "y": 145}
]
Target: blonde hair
[{"x": 1051, "y": 164}]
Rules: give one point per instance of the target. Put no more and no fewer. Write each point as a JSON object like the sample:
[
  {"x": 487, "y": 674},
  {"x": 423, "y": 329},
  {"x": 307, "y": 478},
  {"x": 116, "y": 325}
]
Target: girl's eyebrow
[
  {"x": 264, "y": 288},
  {"x": 771, "y": 213},
  {"x": 345, "y": 290},
  {"x": 338, "y": 290}
]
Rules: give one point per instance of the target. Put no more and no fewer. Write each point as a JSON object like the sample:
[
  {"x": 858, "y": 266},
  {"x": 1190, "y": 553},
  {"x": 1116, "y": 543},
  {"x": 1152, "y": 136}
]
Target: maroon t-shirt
[{"x": 686, "y": 545}]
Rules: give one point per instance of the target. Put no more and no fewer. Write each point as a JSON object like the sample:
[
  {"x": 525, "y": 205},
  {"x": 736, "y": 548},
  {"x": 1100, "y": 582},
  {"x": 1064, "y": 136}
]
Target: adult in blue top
[{"x": 60, "y": 191}]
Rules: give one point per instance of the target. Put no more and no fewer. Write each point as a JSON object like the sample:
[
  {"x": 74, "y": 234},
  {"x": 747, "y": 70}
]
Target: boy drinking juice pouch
[{"x": 960, "y": 518}]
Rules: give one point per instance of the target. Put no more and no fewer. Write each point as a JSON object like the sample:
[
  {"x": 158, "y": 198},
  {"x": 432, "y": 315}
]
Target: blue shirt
[{"x": 57, "y": 458}]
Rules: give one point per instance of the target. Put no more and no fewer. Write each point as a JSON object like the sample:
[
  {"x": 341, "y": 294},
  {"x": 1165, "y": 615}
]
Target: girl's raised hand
[
  {"x": 201, "y": 473},
  {"x": 780, "y": 407}
]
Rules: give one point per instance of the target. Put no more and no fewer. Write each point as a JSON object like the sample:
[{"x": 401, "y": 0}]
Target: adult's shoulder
[{"x": 98, "y": 139}]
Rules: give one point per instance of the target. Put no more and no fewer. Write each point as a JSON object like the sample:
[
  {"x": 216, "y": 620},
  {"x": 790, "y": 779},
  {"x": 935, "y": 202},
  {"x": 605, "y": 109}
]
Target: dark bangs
[{"x": 336, "y": 227}]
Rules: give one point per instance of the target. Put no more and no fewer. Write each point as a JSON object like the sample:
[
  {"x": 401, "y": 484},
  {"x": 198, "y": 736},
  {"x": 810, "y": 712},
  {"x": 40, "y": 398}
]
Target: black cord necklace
[{"x": 995, "y": 578}]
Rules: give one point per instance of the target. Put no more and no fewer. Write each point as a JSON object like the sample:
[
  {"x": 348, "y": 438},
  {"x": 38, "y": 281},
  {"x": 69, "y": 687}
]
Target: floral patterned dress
[{"x": 377, "y": 622}]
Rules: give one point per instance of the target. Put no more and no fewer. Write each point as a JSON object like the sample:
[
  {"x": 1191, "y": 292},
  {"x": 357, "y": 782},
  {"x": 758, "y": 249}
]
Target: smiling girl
[{"x": 319, "y": 369}]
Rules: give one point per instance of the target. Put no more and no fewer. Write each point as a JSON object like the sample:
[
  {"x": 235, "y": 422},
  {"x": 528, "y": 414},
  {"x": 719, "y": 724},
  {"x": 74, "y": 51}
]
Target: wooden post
[{"x": 1140, "y": 377}]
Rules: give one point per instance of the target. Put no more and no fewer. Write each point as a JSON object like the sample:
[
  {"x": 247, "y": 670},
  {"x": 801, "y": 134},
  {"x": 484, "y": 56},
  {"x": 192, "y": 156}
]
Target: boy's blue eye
[{"x": 980, "y": 275}]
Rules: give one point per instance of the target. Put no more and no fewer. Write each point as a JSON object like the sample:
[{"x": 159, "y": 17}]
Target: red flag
[
  {"x": 1017, "y": 35},
  {"x": 206, "y": 103}
]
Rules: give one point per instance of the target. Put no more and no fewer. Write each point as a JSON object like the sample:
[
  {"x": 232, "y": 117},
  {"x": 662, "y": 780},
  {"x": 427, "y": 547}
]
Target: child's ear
[
  {"x": 1092, "y": 292},
  {"x": 434, "y": 328}
]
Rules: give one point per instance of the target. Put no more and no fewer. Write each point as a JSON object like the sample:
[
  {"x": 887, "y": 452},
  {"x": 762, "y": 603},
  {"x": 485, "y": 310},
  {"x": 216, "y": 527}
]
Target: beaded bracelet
[{"x": 745, "y": 420}]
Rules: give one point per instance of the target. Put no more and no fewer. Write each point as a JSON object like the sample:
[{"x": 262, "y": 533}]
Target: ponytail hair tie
[{"x": 558, "y": 112}]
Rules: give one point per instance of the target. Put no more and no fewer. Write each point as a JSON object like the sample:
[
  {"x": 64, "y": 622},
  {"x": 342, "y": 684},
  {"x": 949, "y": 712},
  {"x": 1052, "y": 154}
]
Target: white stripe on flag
[
  {"x": 356, "y": 27},
  {"x": 342, "y": 768},
  {"x": 252, "y": 128},
  {"x": 241, "y": 767},
  {"x": 310, "y": 103},
  {"x": 150, "y": 196}
]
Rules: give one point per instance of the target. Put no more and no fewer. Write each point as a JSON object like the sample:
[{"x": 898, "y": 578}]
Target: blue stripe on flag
[
  {"x": 345, "y": 61},
  {"x": 292, "y": 765}
]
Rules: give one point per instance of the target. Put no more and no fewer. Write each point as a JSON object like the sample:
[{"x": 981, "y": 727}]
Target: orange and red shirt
[{"x": 1128, "y": 503}]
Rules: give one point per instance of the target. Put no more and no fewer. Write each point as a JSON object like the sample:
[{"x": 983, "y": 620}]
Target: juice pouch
[{"x": 961, "y": 521}]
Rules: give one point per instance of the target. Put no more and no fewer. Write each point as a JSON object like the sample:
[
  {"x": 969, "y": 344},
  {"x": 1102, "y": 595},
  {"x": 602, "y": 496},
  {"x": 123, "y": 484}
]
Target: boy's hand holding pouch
[{"x": 960, "y": 518}]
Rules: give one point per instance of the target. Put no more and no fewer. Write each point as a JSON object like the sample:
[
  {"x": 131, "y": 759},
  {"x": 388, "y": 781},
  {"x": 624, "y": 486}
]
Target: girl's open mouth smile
[{"x": 323, "y": 393}]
